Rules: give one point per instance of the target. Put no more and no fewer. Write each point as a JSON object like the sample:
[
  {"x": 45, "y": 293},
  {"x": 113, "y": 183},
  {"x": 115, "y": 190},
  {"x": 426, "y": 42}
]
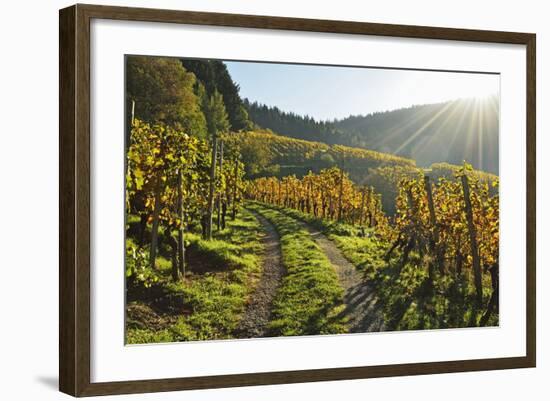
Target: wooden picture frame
[{"x": 74, "y": 199}]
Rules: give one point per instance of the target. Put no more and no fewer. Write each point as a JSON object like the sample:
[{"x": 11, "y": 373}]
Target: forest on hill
[{"x": 431, "y": 133}]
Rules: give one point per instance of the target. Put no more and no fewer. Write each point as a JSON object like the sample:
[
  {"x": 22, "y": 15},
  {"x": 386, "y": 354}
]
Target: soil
[
  {"x": 143, "y": 316},
  {"x": 256, "y": 317},
  {"x": 362, "y": 310}
]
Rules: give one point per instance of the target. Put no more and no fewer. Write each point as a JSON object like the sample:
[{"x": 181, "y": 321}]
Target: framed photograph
[{"x": 249, "y": 200}]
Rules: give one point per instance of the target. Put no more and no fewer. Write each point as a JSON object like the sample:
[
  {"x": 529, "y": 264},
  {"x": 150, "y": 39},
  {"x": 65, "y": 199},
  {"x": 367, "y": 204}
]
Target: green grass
[
  {"x": 408, "y": 305},
  {"x": 310, "y": 298},
  {"x": 209, "y": 302},
  {"x": 145, "y": 336}
]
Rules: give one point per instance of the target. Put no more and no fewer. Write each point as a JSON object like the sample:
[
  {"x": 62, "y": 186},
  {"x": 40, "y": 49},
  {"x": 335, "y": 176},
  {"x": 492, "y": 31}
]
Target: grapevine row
[
  {"x": 451, "y": 224},
  {"x": 329, "y": 195},
  {"x": 173, "y": 181}
]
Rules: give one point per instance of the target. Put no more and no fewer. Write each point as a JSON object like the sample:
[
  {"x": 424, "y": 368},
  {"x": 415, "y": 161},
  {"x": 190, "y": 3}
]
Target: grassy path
[
  {"x": 362, "y": 311},
  {"x": 257, "y": 315},
  {"x": 310, "y": 298}
]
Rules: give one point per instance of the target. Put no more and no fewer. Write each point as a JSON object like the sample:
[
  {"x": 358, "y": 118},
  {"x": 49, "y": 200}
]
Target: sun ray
[
  {"x": 496, "y": 105},
  {"x": 466, "y": 110},
  {"x": 423, "y": 128},
  {"x": 480, "y": 120},
  {"x": 470, "y": 134},
  {"x": 398, "y": 130},
  {"x": 436, "y": 140}
]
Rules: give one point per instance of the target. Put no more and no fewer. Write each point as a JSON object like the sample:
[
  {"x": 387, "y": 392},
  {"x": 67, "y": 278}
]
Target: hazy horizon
[
  {"x": 473, "y": 98},
  {"x": 326, "y": 93}
]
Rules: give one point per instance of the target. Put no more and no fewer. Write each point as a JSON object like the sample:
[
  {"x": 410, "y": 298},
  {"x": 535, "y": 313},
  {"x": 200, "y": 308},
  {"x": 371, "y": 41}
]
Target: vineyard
[
  {"x": 268, "y": 154},
  {"x": 445, "y": 235},
  {"x": 240, "y": 232}
]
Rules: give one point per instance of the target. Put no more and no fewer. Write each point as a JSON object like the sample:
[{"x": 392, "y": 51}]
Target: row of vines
[
  {"x": 174, "y": 182},
  {"x": 328, "y": 195},
  {"x": 450, "y": 225}
]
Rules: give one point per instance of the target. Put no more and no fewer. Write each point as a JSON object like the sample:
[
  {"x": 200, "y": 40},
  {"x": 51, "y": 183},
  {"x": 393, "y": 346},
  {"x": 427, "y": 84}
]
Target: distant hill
[
  {"x": 450, "y": 132},
  {"x": 267, "y": 154}
]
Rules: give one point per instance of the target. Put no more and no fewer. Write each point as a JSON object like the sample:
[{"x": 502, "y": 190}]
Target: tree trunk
[
  {"x": 181, "y": 230},
  {"x": 212, "y": 188},
  {"x": 473, "y": 240},
  {"x": 155, "y": 228}
]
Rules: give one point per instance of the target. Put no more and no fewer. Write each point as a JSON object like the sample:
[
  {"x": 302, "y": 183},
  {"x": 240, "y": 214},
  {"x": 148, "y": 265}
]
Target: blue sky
[{"x": 325, "y": 92}]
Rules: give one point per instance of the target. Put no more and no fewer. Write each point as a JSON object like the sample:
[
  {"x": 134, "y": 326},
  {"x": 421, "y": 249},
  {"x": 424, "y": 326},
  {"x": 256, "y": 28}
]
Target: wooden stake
[
  {"x": 434, "y": 240},
  {"x": 219, "y": 198},
  {"x": 212, "y": 187},
  {"x": 473, "y": 239},
  {"x": 181, "y": 230},
  {"x": 340, "y": 193}
]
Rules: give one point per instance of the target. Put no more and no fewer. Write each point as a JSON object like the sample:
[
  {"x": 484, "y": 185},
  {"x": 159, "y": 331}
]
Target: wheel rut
[
  {"x": 363, "y": 311},
  {"x": 256, "y": 317}
]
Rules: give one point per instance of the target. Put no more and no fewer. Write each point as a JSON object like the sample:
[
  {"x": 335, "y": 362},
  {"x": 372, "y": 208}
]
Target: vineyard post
[
  {"x": 181, "y": 233},
  {"x": 212, "y": 186},
  {"x": 159, "y": 187},
  {"x": 362, "y": 212},
  {"x": 155, "y": 227},
  {"x": 412, "y": 240},
  {"x": 234, "y": 197},
  {"x": 340, "y": 192},
  {"x": 219, "y": 198},
  {"x": 287, "y": 198},
  {"x": 473, "y": 239},
  {"x": 295, "y": 195},
  {"x": 308, "y": 202},
  {"x": 130, "y": 120},
  {"x": 370, "y": 193},
  {"x": 434, "y": 240},
  {"x": 493, "y": 302},
  {"x": 173, "y": 252},
  {"x": 133, "y": 112}
]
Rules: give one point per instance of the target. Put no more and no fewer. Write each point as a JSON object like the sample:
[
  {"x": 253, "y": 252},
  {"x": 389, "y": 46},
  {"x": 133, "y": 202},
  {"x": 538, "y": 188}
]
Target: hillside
[
  {"x": 465, "y": 129},
  {"x": 267, "y": 154}
]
